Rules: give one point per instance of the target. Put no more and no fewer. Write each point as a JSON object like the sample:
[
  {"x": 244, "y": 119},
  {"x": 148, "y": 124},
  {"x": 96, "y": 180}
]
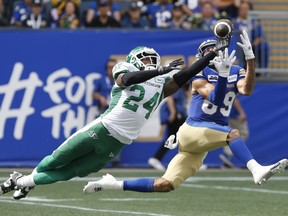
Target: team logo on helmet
[{"x": 136, "y": 56}]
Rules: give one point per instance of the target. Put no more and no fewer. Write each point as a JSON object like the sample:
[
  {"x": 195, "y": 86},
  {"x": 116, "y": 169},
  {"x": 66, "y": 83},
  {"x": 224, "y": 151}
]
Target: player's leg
[
  {"x": 75, "y": 146},
  {"x": 182, "y": 166},
  {"x": 90, "y": 146},
  {"x": 260, "y": 173}
]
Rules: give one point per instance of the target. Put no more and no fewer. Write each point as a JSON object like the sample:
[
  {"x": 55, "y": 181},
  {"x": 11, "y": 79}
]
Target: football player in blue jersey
[{"x": 206, "y": 128}]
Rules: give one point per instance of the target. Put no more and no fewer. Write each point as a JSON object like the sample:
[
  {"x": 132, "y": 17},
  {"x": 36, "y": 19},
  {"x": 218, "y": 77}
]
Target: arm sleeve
[
  {"x": 186, "y": 74},
  {"x": 217, "y": 95},
  {"x": 136, "y": 77}
]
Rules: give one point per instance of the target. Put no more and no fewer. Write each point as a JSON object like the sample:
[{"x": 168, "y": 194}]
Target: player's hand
[
  {"x": 171, "y": 66},
  {"x": 246, "y": 45},
  {"x": 222, "y": 43},
  {"x": 170, "y": 142},
  {"x": 224, "y": 62}
]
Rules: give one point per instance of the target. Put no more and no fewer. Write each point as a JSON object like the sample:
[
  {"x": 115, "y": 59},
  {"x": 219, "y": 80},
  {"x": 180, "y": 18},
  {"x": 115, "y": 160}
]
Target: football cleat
[
  {"x": 10, "y": 184},
  {"x": 22, "y": 192},
  {"x": 156, "y": 164},
  {"x": 265, "y": 172},
  {"x": 107, "y": 182}
]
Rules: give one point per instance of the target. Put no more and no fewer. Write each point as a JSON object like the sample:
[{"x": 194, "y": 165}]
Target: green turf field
[{"x": 211, "y": 192}]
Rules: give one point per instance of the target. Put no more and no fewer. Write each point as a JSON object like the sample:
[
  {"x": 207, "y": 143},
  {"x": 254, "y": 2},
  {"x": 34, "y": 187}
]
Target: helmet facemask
[
  {"x": 144, "y": 58},
  {"x": 208, "y": 44}
]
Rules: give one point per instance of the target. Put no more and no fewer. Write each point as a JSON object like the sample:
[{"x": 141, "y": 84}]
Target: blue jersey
[
  {"x": 161, "y": 14},
  {"x": 202, "y": 109}
]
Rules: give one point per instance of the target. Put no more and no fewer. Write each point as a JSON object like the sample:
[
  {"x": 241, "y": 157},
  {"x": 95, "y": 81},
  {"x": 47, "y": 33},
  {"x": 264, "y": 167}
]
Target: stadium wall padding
[{"x": 47, "y": 81}]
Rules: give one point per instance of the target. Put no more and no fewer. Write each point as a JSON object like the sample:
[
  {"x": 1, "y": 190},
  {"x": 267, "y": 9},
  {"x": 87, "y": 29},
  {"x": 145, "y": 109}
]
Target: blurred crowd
[
  {"x": 135, "y": 14},
  {"x": 163, "y": 14}
]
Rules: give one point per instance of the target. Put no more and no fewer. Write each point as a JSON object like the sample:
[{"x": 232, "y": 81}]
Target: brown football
[{"x": 223, "y": 28}]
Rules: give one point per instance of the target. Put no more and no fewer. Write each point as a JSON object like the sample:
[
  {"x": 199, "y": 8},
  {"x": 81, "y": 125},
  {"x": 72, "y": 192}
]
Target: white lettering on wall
[
  {"x": 62, "y": 88},
  {"x": 20, "y": 114}
]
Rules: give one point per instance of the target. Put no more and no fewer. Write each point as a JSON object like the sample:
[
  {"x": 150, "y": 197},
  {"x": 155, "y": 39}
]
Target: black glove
[
  {"x": 222, "y": 44},
  {"x": 171, "y": 66}
]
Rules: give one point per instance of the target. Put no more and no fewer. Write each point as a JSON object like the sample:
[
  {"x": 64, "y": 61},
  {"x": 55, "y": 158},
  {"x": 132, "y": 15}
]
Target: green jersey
[{"x": 131, "y": 107}]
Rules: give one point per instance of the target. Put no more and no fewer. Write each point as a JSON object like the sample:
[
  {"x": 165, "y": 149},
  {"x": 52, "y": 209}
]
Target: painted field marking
[
  {"x": 191, "y": 179},
  {"x": 82, "y": 208},
  {"x": 235, "y": 188}
]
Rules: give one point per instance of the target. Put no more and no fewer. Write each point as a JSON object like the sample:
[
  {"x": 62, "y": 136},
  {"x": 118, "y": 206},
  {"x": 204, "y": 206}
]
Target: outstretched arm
[
  {"x": 183, "y": 76},
  {"x": 127, "y": 79},
  {"x": 246, "y": 86}
]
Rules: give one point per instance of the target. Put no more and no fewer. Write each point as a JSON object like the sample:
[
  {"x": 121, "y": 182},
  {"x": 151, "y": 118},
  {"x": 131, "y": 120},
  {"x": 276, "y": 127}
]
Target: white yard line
[
  {"x": 42, "y": 199},
  {"x": 132, "y": 199},
  {"x": 82, "y": 208},
  {"x": 191, "y": 179},
  {"x": 235, "y": 189}
]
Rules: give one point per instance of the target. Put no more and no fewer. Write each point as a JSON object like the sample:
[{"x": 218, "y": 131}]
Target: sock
[
  {"x": 240, "y": 150},
  {"x": 140, "y": 185},
  {"x": 252, "y": 165},
  {"x": 34, "y": 171},
  {"x": 26, "y": 181}
]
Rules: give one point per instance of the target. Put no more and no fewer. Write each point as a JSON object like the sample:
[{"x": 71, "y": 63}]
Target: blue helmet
[{"x": 203, "y": 46}]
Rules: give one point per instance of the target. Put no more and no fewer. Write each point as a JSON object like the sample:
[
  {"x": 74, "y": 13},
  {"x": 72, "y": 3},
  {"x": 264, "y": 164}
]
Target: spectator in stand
[
  {"x": 227, "y": 8},
  {"x": 259, "y": 44},
  {"x": 103, "y": 86},
  {"x": 133, "y": 17},
  {"x": 208, "y": 17},
  {"x": 21, "y": 12},
  {"x": 160, "y": 13},
  {"x": 191, "y": 7},
  {"x": 179, "y": 18},
  {"x": 104, "y": 19},
  {"x": 114, "y": 10},
  {"x": 35, "y": 19},
  {"x": 69, "y": 18},
  {"x": 58, "y": 8},
  {"x": 3, "y": 18}
]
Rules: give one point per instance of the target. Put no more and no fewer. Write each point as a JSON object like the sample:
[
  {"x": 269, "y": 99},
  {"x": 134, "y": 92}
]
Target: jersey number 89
[{"x": 210, "y": 108}]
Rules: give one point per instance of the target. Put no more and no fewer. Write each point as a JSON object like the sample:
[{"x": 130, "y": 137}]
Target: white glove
[
  {"x": 223, "y": 63},
  {"x": 170, "y": 142},
  {"x": 246, "y": 46}
]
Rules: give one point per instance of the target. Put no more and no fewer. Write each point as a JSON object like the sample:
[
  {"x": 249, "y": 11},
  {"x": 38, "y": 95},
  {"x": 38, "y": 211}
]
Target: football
[{"x": 223, "y": 28}]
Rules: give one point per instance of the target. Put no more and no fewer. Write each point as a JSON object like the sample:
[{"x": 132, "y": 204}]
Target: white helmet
[{"x": 136, "y": 56}]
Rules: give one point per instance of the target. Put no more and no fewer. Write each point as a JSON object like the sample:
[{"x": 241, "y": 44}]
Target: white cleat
[
  {"x": 22, "y": 192},
  {"x": 265, "y": 172},
  {"x": 156, "y": 164},
  {"x": 107, "y": 182},
  {"x": 10, "y": 184}
]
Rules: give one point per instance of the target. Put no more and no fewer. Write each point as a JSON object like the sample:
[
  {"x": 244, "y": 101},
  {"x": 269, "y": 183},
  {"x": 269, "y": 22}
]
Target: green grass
[{"x": 211, "y": 192}]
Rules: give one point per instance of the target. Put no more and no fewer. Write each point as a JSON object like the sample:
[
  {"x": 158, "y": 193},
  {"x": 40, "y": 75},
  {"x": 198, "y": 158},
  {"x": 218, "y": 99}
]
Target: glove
[
  {"x": 246, "y": 46},
  {"x": 171, "y": 66},
  {"x": 224, "y": 63},
  {"x": 170, "y": 142},
  {"x": 222, "y": 43}
]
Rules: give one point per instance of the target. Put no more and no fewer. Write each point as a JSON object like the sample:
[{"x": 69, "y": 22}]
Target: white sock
[
  {"x": 34, "y": 172},
  {"x": 253, "y": 165},
  {"x": 26, "y": 181}
]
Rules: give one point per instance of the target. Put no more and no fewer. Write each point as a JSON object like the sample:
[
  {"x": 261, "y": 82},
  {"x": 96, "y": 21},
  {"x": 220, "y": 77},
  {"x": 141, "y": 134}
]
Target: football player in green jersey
[{"x": 140, "y": 85}]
